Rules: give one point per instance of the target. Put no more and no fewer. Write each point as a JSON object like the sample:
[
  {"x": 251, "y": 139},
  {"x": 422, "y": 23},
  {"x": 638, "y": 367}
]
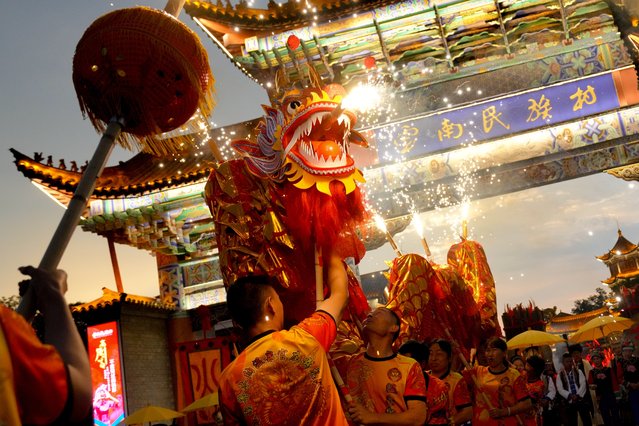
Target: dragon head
[{"x": 305, "y": 138}]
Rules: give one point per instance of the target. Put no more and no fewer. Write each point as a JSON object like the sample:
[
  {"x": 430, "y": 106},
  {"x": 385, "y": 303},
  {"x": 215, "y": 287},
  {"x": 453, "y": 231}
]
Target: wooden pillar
[{"x": 114, "y": 264}]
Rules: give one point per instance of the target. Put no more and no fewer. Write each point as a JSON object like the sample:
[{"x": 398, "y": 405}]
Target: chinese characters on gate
[
  {"x": 538, "y": 108},
  {"x": 493, "y": 119}
]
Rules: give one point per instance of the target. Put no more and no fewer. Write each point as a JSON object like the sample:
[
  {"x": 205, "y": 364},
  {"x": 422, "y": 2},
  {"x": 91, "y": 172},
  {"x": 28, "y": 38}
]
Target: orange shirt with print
[
  {"x": 458, "y": 393},
  {"x": 503, "y": 390},
  {"x": 283, "y": 378},
  {"x": 384, "y": 385}
]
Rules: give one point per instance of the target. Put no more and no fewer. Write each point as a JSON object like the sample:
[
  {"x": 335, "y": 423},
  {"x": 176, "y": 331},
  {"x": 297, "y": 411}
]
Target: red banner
[{"x": 201, "y": 364}]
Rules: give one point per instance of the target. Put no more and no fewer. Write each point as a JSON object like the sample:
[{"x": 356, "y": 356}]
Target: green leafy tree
[
  {"x": 596, "y": 301},
  {"x": 10, "y": 301}
]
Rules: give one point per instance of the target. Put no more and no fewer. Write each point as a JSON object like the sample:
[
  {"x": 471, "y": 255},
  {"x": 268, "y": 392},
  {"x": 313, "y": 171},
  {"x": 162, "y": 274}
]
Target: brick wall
[{"x": 145, "y": 350}]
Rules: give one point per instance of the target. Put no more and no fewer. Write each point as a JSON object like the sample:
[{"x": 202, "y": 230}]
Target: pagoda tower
[{"x": 623, "y": 262}]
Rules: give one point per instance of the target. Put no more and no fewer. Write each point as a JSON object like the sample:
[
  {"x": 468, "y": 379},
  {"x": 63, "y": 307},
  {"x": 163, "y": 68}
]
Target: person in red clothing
[
  {"x": 387, "y": 388},
  {"x": 437, "y": 406},
  {"x": 439, "y": 361},
  {"x": 43, "y": 383},
  {"x": 533, "y": 369},
  {"x": 503, "y": 387},
  {"x": 282, "y": 377}
]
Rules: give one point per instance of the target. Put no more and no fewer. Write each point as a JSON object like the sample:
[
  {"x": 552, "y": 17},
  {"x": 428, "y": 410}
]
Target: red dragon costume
[
  {"x": 293, "y": 191},
  {"x": 438, "y": 301}
]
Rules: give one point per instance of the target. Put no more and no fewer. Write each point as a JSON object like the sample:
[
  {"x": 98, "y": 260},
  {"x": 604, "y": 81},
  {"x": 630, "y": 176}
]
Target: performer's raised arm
[{"x": 338, "y": 285}]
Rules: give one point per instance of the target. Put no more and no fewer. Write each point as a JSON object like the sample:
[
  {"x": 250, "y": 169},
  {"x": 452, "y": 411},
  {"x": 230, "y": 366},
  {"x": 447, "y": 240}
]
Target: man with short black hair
[
  {"x": 576, "y": 351},
  {"x": 572, "y": 386},
  {"x": 437, "y": 406},
  {"x": 387, "y": 388},
  {"x": 282, "y": 377}
]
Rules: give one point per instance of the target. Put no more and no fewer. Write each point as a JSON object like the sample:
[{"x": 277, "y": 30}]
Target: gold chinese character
[
  {"x": 490, "y": 116},
  {"x": 539, "y": 109},
  {"x": 407, "y": 139},
  {"x": 101, "y": 354},
  {"x": 450, "y": 130},
  {"x": 582, "y": 97}
]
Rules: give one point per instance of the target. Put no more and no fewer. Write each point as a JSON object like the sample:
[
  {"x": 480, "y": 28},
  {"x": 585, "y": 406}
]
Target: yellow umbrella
[
  {"x": 533, "y": 338},
  {"x": 207, "y": 401},
  {"x": 600, "y": 327},
  {"x": 151, "y": 413}
]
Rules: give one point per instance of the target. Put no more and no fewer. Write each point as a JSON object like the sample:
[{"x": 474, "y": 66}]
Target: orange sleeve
[
  {"x": 520, "y": 389},
  {"x": 320, "y": 325},
  {"x": 415, "y": 384},
  {"x": 461, "y": 395},
  {"x": 35, "y": 366}
]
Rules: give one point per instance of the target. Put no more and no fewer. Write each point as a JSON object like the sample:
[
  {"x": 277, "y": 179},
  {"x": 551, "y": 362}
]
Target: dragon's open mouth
[{"x": 320, "y": 140}]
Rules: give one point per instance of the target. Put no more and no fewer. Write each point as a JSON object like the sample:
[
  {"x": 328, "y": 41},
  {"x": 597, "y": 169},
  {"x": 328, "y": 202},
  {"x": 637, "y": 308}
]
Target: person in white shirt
[
  {"x": 576, "y": 351},
  {"x": 571, "y": 386}
]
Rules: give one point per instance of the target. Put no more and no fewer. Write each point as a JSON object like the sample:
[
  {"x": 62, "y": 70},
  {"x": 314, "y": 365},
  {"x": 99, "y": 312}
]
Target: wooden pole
[{"x": 66, "y": 227}]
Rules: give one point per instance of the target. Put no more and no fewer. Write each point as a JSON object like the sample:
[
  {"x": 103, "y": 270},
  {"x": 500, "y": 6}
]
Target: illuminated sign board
[{"x": 106, "y": 374}]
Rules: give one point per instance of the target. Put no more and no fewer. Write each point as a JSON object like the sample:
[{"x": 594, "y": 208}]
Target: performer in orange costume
[
  {"x": 387, "y": 388},
  {"x": 439, "y": 361},
  {"x": 504, "y": 387},
  {"x": 43, "y": 383},
  {"x": 282, "y": 377},
  {"x": 436, "y": 390}
]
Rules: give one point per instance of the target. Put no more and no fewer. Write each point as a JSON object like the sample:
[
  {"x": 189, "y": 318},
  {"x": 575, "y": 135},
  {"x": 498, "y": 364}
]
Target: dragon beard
[{"x": 320, "y": 220}]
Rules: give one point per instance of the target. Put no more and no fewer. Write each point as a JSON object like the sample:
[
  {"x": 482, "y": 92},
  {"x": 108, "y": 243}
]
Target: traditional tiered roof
[
  {"x": 621, "y": 247},
  {"x": 623, "y": 263},
  {"x": 567, "y": 323}
]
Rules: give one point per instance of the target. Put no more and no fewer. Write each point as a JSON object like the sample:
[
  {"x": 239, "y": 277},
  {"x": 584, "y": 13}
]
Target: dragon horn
[
  {"x": 281, "y": 80},
  {"x": 314, "y": 78}
]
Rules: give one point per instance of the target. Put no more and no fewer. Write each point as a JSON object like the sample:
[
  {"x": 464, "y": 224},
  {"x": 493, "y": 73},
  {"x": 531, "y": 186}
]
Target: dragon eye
[{"x": 293, "y": 106}]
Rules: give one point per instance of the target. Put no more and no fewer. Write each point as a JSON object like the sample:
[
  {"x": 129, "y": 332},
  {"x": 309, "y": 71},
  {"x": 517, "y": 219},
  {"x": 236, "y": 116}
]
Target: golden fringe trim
[{"x": 164, "y": 29}]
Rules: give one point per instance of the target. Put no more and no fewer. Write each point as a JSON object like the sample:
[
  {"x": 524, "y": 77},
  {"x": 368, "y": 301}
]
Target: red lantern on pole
[
  {"x": 293, "y": 42},
  {"x": 369, "y": 62}
]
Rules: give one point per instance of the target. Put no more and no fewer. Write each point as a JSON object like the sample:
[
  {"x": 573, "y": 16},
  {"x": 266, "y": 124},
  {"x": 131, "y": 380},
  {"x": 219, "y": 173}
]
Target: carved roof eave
[
  {"x": 584, "y": 315},
  {"x": 621, "y": 276},
  {"x": 571, "y": 323},
  {"x": 629, "y": 172},
  {"x": 271, "y": 20},
  {"x": 110, "y": 298},
  {"x": 140, "y": 175}
]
